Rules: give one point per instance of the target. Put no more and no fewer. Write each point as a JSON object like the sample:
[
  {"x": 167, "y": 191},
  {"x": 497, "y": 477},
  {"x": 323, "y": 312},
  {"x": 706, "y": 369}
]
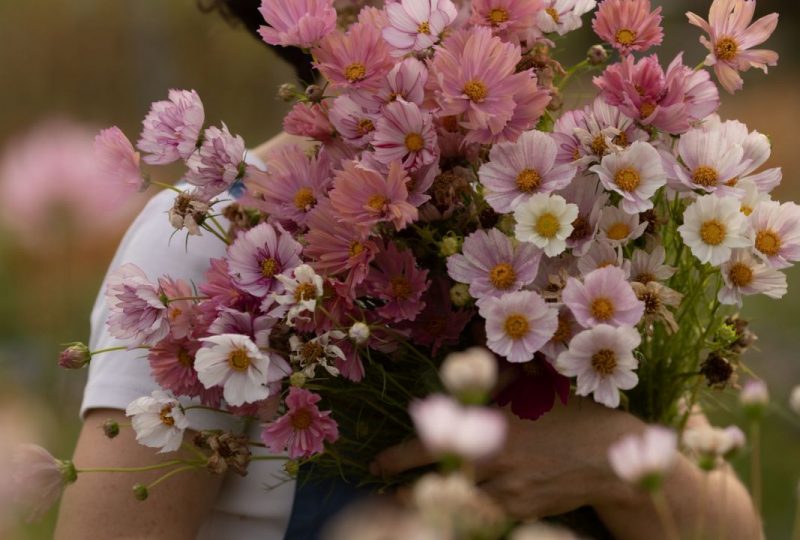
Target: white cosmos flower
[
  {"x": 712, "y": 227},
  {"x": 563, "y": 16},
  {"x": 317, "y": 352},
  {"x": 234, "y": 362},
  {"x": 744, "y": 275},
  {"x": 636, "y": 173},
  {"x": 618, "y": 227},
  {"x": 644, "y": 459},
  {"x": 712, "y": 444},
  {"x": 301, "y": 291},
  {"x": 546, "y": 222},
  {"x": 158, "y": 420},
  {"x": 752, "y": 196}
]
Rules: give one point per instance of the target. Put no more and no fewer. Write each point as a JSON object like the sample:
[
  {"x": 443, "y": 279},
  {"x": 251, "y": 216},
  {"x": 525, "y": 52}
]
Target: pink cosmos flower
[
  {"x": 600, "y": 255},
  {"x": 222, "y": 291},
  {"x": 628, "y": 25},
  {"x": 363, "y": 197},
  {"x": 39, "y": 479},
  {"x": 710, "y": 162},
  {"x": 352, "y": 122},
  {"x": 647, "y": 267},
  {"x": 512, "y": 20},
  {"x": 299, "y": 23},
  {"x": 731, "y": 38},
  {"x": 405, "y": 134},
  {"x": 357, "y": 60},
  {"x": 172, "y": 127},
  {"x": 395, "y": 278},
  {"x": 617, "y": 227},
  {"x": 492, "y": 265},
  {"x": 416, "y": 25},
  {"x": 172, "y": 367},
  {"x": 439, "y": 324},
  {"x": 256, "y": 327},
  {"x": 118, "y": 161},
  {"x": 670, "y": 101},
  {"x": 518, "y": 324},
  {"x": 587, "y": 193},
  {"x": 310, "y": 120},
  {"x": 744, "y": 275},
  {"x": 775, "y": 232},
  {"x": 405, "y": 81},
  {"x": 304, "y": 429},
  {"x": 636, "y": 174},
  {"x": 516, "y": 171},
  {"x": 533, "y": 390},
  {"x": 137, "y": 308},
  {"x": 217, "y": 163},
  {"x": 604, "y": 297},
  {"x": 181, "y": 309},
  {"x": 258, "y": 255}
]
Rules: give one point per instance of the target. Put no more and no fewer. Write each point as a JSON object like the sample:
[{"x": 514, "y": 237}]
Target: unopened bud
[
  {"x": 111, "y": 428},
  {"x": 754, "y": 398},
  {"x": 470, "y": 375},
  {"x": 75, "y": 356},
  {"x": 292, "y": 467},
  {"x": 450, "y": 245},
  {"x": 314, "y": 92},
  {"x": 459, "y": 294},
  {"x": 287, "y": 92},
  {"x": 297, "y": 379},
  {"x": 794, "y": 399},
  {"x": 140, "y": 492},
  {"x": 359, "y": 333},
  {"x": 506, "y": 224},
  {"x": 597, "y": 55}
]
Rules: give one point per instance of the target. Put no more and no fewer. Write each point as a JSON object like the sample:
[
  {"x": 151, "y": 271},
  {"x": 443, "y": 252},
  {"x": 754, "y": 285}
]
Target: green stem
[
  {"x": 166, "y": 186},
  {"x": 179, "y": 298},
  {"x": 120, "y": 348},
  {"x": 572, "y": 71},
  {"x": 170, "y": 474},
  {"x": 664, "y": 514},
  {"x": 215, "y": 233},
  {"x": 155, "y": 467}
]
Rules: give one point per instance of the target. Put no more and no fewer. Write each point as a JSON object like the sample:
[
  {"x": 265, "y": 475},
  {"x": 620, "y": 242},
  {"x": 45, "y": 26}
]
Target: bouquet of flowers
[{"x": 446, "y": 202}]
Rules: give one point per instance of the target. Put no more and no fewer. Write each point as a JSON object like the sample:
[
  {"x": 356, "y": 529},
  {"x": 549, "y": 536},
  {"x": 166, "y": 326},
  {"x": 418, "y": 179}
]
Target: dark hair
[{"x": 246, "y": 12}]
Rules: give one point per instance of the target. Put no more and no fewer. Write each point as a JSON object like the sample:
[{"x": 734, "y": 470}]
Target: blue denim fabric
[{"x": 315, "y": 502}]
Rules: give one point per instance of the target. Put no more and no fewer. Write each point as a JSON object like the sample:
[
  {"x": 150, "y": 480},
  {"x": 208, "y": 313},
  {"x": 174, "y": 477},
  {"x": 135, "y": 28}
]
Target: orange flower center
[
  {"x": 547, "y": 226},
  {"x": 414, "y": 142},
  {"x": 301, "y": 419},
  {"x": 627, "y": 179},
  {"x": 304, "y": 199},
  {"x": 646, "y": 109},
  {"x": 166, "y": 416},
  {"x": 516, "y": 326},
  {"x": 356, "y": 248},
  {"x": 602, "y": 309},
  {"x": 726, "y": 49},
  {"x": 497, "y": 16},
  {"x": 401, "y": 288},
  {"x": 528, "y": 180},
  {"x": 377, "y": 202},
  {"x": 424, "y": 28},
  {"x": 355, "y": 72},
  {"x": 553, "y": 14},
  {"x": 768, "y": 243},
  {"x": 311, "y": 351},
  {"x": 599, "y": 146},
  {"x": 269, "y": 267},
  {"x": 604, "y": 362},
  {"x": 503, "y": 276},
  {"x": 618, "y": 231},
  {"x": 740, "y": 275},
  {"x": 365, "y": 126},
  {"x": 625, "y": 36},
  {"x": 476, "y": 90},
  {"x": 705, "y": 176},
  {"x": 305, "y": 291},
  {"x": 713, "y": 232},
  {"x": 184, "y": 358},
  {"x": 238, "y": 360}
]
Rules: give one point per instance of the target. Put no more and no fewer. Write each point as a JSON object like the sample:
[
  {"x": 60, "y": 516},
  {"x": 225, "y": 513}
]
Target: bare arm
[{"x": 102, "y": 505}]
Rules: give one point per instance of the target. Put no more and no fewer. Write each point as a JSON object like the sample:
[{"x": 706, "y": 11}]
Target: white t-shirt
[{"x": 257, "y": 506}]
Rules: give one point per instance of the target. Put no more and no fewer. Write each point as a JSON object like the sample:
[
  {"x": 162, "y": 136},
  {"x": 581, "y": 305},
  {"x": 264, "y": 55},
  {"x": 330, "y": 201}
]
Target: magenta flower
[
  {"x": 352, "y": 122},
  {"x": 405, "y": 134},
  {"x": 260, "y": 254},
  {"x": 533, "y": 390},
  {"x": 299, "y": 23},
  {"x": 38, "y": 479},
  {"x": 518, "y": 324},
  {"x": 310, "y": 120},
  {"x": 218, "y": 162},
  {"x": 516, "y": 171},
  {"x": 416, "y": 25},
  {"x": 628, "y": 25},
  {"x": 172, "y": 127},
  {"x": 395, "y": 278},
  {"x": 439, "y": 324},
  {"x": 604, "y": 297},
  {"x": 172, "y": 367},
  {"x": 512, "y": 20},
  {"x": 222, "y": 291},
  {"x": 731, "y": 38},
  {"x": 357, "y": 60},
  {"x": 670, "y": 101},
  {"x": 492, "y": 265},
  {"x": 118, "y": 161},
  {"x": 363, "y": 197},
  {"x": 304, "y": 429},
  {"x": 137, "y": 308}
]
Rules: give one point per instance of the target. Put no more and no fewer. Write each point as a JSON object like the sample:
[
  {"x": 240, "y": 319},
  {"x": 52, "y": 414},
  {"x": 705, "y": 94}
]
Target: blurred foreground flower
[
  {"x": 645, "y": 459},
  {"x": 39, "y": 478}
]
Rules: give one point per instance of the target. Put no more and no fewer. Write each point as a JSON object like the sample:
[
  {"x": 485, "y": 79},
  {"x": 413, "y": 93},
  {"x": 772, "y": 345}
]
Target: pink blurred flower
[
  {"x": 731, "y": 38},
  {"x": 304, "y": 429},
  {"x": 137, "y": 308},
  {"x": 644, "y": 459},
  {"x": 628, "y": 25},
  {"x": 518, "y": 324},
  {"x": 182, "y": 311},
  {"x": 512, "y": 20},
  {"x": 405, "y": 134},
  {"x": 217, "y": 163},
  {"x": 395, "y": 278},
  {"x": 363, "y": 197},
  {"x": 118, "y": 161},
  {"x": 298, "y": 23},
  {"x": 604, "y": 297},
  {"x": 309, "y": 120},
  {"x": 39, "y": 479},
  {"x": 416, "y": 25},
  {"x": 359, "y": 59},
  {"x": 258, "y": 255},
  {"x": 221, "y": 290},
  {"x": 172, "y": 128}
]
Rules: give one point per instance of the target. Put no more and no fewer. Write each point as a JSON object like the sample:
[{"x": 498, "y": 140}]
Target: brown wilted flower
[
  {"x": 717, "y": 370},
  {"x": 189, "y": 212},
  {"x": 745, "y": 336},
  {"x": 657, "y": 298},
  {"x": 228, "y": 451}
]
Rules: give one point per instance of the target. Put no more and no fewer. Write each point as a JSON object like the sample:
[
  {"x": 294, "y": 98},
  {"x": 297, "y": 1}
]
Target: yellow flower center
[
  {"x": 528, "y": 180},
  {"x": 476, "y": 90},
  {"x": 646, "y": 109},
  {"x": 414, "y": 142},
  {"x": 618, "y": 231},
  {"x": 627, "y": 179},
  {"x": 365, "y": 126},
  {"x": 604, "y": 362},
  {"x": 644, "y": 278},
  {"x": 768, "y": 243},
  {"x": 516, "y": 326},
  {"x": 304, "y": 199},
  {"x": 356, "y": 248},
  {"x": 355, "y": 72},
  {"x": 713, "y": 232},
  {"x": 305, "y": 291},
  {"x": 602, "y": 309},
  {"x": 547, "y": 226},
  {"x": 705, "y": 176},
  {"x": 238, "y": 360},
  {"x": 746, "y": 210},
  {"x": 424, "y": 28},
  {"x": 497, "y": 16},
  {"x": 502, "y": 276},
  {"x": 377, "y": 202},
  {"x": 401, "y": 288},
  {"x": 166, "y": 416},
  {"x": 553, "y": 14},
  {"x": 626, "y": 36},
  {"x": 599, "y": 146},
  {"x": 740, "y": 275},
  {"x": 301, "y": 420},
  {"x": 726, "y": 49},
  {"x": 269, "y": 267}
]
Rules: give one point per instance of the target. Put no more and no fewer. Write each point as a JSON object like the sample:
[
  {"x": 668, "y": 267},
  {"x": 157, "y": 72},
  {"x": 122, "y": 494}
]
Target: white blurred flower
[
  {"x": 469, "y": 372},
  {"x": 158, "y": 420},
  {"x": 794, "y": 399},
  {"x": 38, "y": 478},
  {"x": 754, "y": 397},
  {"x": 359, "y": 333},
  {"x": 711, "y": 444},
  {"x": 644, "y": 459}
]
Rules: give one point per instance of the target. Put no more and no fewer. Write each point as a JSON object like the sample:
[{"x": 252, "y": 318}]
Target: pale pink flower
[
  {"x": 118, "y": 161},
  {"x": 39, "y": 479},
  {"x": 352, "y": 122},
  {"x": 604, "y": 297},
  {"x": 775, "y": 233},
  {"x": 635, "y": 173},
  {"x": 181, "y": 310},
  {"x": 618, "y": 227},
  {"x": 447, "y": 428},
  {"x": 310, "y": 120},
  {"x": 644, "y": 459},
  {"x": 304, "y": 429},
  {"x": 158, "y": 420},
  {"x": 563, "y": 16},
  {"x": 492, "y": 265},
  {"x": 406, "y": 134},
  {"x": 602, "y": 360},
  {"x": 647, "y": 267},
  {"x": 395, "y": 278},
  {"x": 260, "y": 254},
  {"x": 137, "y": 307},
  {"x": 754, "y": 393},
  {"x": 744, "y": 275},
  {"x": 516, "y": 171},
  {"x": 731, "y": 38},
  {"x": 299, "y": 23},
  {"x": 628, "y": 25},
  {"x": 600, "y": 255},
  {"x": 357, "y": 60},
  {"x": 218, "y": 163},
  {"x": 713, "y": 226},
  {"x": 470, "y": 371},
  {"x": 222, "y": 292},
  {"x": 364, "y": 197},
  {"x": 602, "y": 129},
  {"x": 416, "y": 25},
  {"x": 588, "y": 195},
  {"x": 512, "y": 20},
  {"x": 709, "y": 161},
  {"x": 172, "y": 128},
  {"x": 518, "y": 324},
  {"x": 405, "y": 81}
]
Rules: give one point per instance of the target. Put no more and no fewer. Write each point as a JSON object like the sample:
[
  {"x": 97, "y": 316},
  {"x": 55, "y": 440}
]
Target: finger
[{"x": 400, "y": 458}]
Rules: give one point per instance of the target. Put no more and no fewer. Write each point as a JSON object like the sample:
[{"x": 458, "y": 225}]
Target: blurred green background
[{"x": 103, "y": 63}]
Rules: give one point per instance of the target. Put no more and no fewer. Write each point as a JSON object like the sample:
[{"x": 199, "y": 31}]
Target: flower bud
[
  {"x": 597, "y": 55},
  {"x": 297, "y": 379},
  {"x": 450, "y": 245},
  {"x": 140, "y": 492},
  {"x": 75, "y": 356},
  {"x": 111, "y": 428},
  {"x": 459, "y": 294},
  {"x": 506, "y": 224},
  {"x": 359, "y": 333},
  {"x": 292, "y": 467},
  {"x": 314, "y": 92},
  {"x": 794, "y": 399},
  {"x": 754, "y": 398},
  {"x": 470, "y": 375},
  {"x": 287, "y": 92}
]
